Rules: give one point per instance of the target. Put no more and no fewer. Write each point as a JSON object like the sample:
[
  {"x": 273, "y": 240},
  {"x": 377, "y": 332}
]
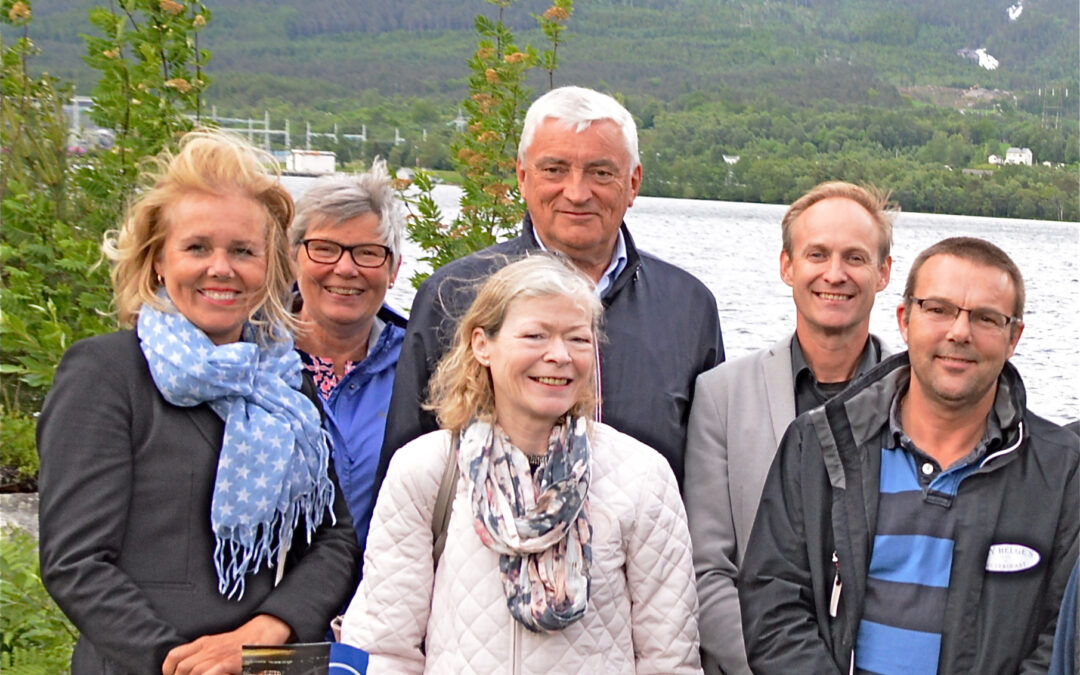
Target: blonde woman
[
  {"x": 187, "y": 504},
  {"x": 566, "y": 549}
]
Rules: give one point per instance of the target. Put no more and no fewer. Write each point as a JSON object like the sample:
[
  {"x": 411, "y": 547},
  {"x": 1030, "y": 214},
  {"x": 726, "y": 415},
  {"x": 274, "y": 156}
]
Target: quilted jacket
[{"x": 642, "y": 613}]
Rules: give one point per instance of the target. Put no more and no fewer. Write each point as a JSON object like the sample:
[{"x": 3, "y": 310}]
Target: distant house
[
  {"x": 977, "y": 172},
  {"x": 995, "y": 159},
  {"x": 1018, "y": 156},
  {"x": 731, "y": 159}
]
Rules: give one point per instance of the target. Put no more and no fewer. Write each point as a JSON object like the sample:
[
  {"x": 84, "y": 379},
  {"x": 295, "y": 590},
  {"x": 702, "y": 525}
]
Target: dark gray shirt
[{"x": 809, "y": 393}]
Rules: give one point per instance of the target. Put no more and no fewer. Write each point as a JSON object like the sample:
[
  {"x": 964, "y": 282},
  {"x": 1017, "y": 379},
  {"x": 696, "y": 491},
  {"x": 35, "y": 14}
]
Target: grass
[{"x": 35, "y": 636}]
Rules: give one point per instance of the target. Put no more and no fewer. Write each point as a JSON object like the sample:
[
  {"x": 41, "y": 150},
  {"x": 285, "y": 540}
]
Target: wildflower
[
  {"x": 170, "y": 6},
  {"x": 111, "y": 53},
  {"x": 400, "y": 184},
  {"x": 497, "y": 190},
  {"x": 487, "y": 137},
  {"x": 491, "y": 75},
  {"x": 516, "y": 57},
  {"x": 18, "y": 11},
  {"x": 556, "y": 14},
  {"x": 199, "y": 21},
  {"x": 486, "y": 102},
  {"x": 485, "y": 53},
  {"x": 179, "y": 84}
]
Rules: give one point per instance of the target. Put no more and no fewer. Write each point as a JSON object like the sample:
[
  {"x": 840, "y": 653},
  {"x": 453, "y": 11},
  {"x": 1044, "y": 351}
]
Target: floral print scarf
[{"x": 538, "y": 523}]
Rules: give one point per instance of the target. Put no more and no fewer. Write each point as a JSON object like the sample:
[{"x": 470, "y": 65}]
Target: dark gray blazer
[{"x": 126, "y": 547}]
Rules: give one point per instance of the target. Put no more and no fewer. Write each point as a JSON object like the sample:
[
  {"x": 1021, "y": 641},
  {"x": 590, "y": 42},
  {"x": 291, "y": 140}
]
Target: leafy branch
[{"x": 485, "y": 154}]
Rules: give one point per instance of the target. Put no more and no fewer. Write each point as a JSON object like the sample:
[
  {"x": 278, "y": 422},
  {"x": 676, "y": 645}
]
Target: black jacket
[
  {"x": 126, "y": 483},
  {"x": 661, "y": 325},
  {"x": 821, "y": 496}
]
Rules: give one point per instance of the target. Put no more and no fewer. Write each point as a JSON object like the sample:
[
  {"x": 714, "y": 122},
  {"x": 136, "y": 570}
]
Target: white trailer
[{"x": 310, "y": 162}]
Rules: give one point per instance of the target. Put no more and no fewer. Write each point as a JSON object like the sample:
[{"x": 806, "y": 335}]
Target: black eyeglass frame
[
  {"x": 387, "y": 252},
  {"x": 1009, "y": 320}
]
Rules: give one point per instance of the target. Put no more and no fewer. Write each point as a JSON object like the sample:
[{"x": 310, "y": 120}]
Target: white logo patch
[{"x": 1011, "y": 558}]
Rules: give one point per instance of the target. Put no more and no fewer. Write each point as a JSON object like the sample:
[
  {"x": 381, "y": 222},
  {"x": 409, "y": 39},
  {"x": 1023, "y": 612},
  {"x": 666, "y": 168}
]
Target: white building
[{"x": 1018, "y": 156}]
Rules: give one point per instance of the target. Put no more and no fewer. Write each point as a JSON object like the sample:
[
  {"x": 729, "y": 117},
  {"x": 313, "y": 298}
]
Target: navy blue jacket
[{"x": 661, "y": 331}]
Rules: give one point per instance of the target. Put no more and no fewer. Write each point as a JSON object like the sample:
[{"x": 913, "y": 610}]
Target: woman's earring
[{"x": 160, "y": 281}]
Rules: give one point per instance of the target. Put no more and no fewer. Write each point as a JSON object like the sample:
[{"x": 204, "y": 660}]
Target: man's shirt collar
[
  {"x": 809, "y": 393},
  {"x": 614, "y": 268},
  {"x": 992, "y": 437}
]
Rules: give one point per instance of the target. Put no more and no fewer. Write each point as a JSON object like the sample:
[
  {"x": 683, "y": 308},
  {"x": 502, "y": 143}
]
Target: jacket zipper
[
  {"x": 834, "y": 599},
  {"x": 834, "y": 604},
  {"x": 515, "y": 647}
]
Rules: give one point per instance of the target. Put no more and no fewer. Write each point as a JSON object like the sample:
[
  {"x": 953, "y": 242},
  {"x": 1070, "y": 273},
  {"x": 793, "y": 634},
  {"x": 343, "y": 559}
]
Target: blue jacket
[{"x": 356, "y": 419}]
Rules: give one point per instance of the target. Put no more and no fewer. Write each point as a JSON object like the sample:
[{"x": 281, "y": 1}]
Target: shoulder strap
[{"x": 444, "y": 502}]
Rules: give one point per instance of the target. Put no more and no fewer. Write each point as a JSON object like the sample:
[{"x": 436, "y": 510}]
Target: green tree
[
  {"x": 56, "y": 206},
  {"x": 491, "y": 205},
  {"x": 151, "y": 80}
]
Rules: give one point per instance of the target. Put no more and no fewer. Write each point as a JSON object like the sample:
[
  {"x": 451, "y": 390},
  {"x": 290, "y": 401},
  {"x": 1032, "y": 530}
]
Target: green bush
[
  {"x": 18, "y": 452},
  {"x": 35, "y": 636}
]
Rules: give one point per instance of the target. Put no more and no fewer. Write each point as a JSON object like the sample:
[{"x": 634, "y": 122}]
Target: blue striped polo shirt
[{"x": 911, "y": 562}]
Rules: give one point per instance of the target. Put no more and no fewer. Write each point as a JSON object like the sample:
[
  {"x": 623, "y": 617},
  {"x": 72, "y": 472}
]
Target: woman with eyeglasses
[{"x": 346, "y": 250}]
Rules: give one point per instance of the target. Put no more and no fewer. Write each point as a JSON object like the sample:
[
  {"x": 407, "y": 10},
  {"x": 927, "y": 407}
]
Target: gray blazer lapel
[{"x": 779, "y": 387}]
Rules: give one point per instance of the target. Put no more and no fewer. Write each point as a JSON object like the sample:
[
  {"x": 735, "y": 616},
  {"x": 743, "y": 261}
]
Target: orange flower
[
  {"x": 179, "y": 84},
  {"x": 516, "y": 57},
  {"x": 557, "y": 14},
  {"x": 18, "y": 11},
  {"x": 485, "y": 53},
  {"x": 491, "y": 75},
  {"x": 497, "y": 189},
  {"x": 485, "y": 101},
  {"x": 487, "y": 137},
  {"x": 170, "y": 6}
]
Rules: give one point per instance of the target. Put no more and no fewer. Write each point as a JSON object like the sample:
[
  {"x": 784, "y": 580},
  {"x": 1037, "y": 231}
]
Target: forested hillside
[
  {"x": 797, "y": 91},
  {"x": 662, "y": 48}
]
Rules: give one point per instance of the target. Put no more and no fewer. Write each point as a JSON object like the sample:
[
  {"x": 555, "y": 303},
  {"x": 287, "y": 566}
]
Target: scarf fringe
[{"x": 235, "y": 556}]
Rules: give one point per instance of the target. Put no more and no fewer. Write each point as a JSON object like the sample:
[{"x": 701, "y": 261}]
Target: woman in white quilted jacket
[{"x": 566, "y": 549}]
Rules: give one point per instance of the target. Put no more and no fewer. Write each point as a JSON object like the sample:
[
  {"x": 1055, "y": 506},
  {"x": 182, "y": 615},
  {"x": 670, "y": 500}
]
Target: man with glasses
[
  {"x": 835, "y": 257},
  {"x": 922, "y": 521}
]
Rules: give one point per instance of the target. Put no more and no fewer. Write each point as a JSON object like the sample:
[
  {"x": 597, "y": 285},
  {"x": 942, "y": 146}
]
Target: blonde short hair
[
  {"x": 208, "y": 163},
  {"x": 876, "y": 202},
  {"x": 461, "y": 388}
]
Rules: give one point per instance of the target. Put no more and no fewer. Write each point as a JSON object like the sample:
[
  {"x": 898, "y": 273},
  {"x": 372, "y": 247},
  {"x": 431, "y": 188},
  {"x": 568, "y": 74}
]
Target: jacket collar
[
  {"x": 633, "y": 258},
  {"x": 856, "y": 416}
]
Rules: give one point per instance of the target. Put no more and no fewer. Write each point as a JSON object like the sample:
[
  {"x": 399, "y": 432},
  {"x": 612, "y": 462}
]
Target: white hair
[
  {"x": 578, "y": 108},
  {"x": 339, "y": 198}
]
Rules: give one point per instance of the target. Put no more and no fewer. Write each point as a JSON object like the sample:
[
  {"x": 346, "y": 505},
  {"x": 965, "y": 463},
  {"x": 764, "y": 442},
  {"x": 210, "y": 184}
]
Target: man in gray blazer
[{"x": 835, "y": 258}]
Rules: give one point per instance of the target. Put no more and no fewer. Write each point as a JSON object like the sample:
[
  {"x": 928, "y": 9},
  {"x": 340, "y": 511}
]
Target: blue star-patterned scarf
[{"x": 272, "y": 469}]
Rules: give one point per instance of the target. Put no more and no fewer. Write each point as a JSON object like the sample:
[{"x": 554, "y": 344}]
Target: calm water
[{"x": 735, "y": 249}]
